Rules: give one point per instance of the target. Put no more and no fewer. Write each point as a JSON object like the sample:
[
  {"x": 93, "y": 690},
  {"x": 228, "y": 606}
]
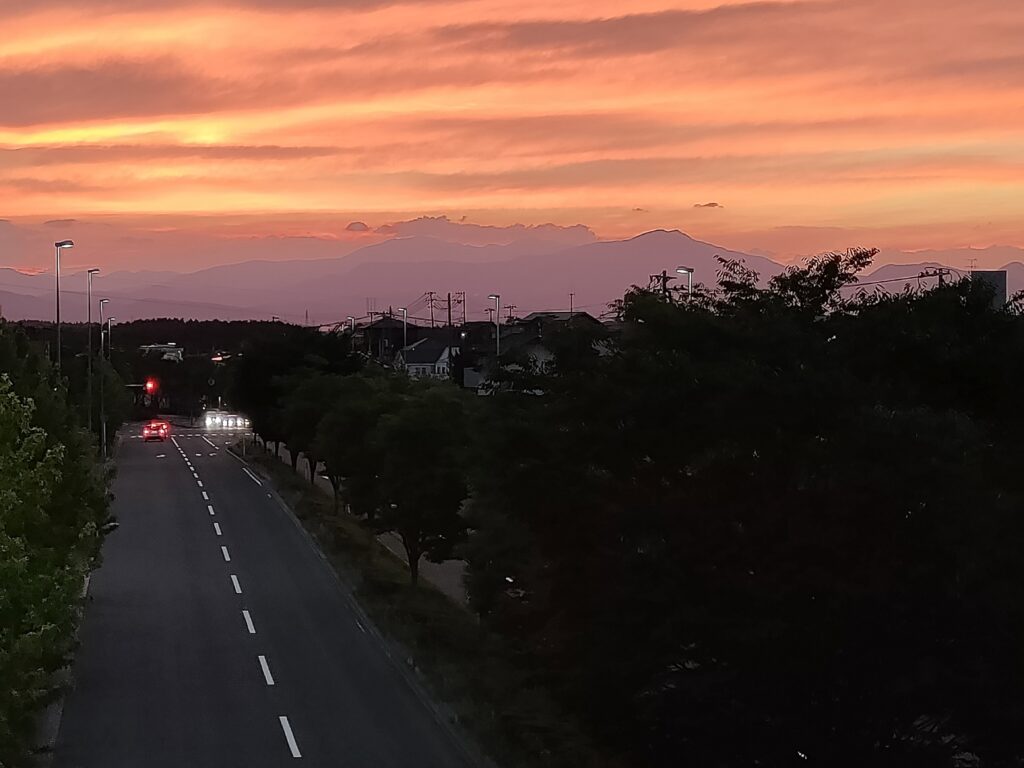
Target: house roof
[
  {"x": 559, "y": 316},
  {"x": 424, "y": 352}
]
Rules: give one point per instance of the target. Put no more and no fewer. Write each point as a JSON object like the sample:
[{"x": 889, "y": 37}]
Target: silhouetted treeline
[{"x": 753, "y": 526}]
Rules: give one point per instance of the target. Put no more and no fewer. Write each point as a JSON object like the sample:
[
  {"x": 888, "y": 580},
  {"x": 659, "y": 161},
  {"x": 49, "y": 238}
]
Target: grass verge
[{"x": 471, "y": 671}]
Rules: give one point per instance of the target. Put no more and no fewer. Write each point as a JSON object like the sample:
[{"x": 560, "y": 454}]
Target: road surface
[{"x": 216, "y": 636}]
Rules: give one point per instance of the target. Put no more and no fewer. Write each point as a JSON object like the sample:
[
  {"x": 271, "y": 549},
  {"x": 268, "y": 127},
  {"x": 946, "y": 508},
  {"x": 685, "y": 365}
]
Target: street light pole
[
  {"x": 57, "y": 247},
  {"x": 496, "y": 298},
  {"x": 88, "y": 398},
  {"x": 688, "y": 271},
  {"x": 103, "y": 405},
  {"x": 110, "y": 349}
]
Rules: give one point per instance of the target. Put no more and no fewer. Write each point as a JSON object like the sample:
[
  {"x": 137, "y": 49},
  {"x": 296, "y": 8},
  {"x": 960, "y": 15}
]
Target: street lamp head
[
  {"x": 92, "y": 271},
  {"x": 684, "y": 270},
  {"x": 104, "y": 301},
  {"x": 401, "y": 309},
  {"x": 494, "y": 296},
  {"x": 64, "y": 244}
]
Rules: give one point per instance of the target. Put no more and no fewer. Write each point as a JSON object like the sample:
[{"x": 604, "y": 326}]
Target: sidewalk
[{"x": 446, "y": 576}]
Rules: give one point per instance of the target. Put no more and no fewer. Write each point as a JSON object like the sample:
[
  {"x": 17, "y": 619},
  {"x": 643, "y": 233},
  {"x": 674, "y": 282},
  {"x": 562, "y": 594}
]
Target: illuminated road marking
[
  {"x": 252, "y": 630},
  {"x": 235, "y": 584},
  {"x": 266, "y": 670},
  {"x": 289, "y": 736},
  {"x": 227, "y": 557}
]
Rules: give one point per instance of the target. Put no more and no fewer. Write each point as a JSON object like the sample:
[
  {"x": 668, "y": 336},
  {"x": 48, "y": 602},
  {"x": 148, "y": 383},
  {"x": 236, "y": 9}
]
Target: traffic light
[{"x": 151, "y": 386}]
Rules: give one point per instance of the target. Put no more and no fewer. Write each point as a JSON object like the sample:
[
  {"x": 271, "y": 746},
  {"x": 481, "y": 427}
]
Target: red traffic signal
[{"x": 150, "y": 386}]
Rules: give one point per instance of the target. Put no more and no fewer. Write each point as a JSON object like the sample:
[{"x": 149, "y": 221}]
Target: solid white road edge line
[
  {"x": 252, "y": 476},
  {"x": 289, "y": 736},
  {"x": 227, "y": 557},
  {"x": 266, "y": 670},
  {"x": 213, "y": 444},
  {"x": 250, "y": 627},
  {"x": 235, "y": 584}
]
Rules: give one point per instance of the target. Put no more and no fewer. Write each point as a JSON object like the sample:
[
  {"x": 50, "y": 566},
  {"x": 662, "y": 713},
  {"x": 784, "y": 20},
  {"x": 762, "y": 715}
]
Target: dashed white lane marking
[
  {"x": 360, "y": 625},
  {"x": 195, "y": 475},
  {"x": 216, "y": 529},
  {"x": 252, "y": 476},
  {"x": 161, "y": 455},
  {"x": 207, "y": 440},
  {"x": 266, "y": 670},
  {"x": 199, "y": 454},
  {"x": 206, "y": 496},
  {"x": 235, "y": 584},
  {"x": 199, "y": 483},
  {"x": 289, "y": 736},
  {"x": 227, "y": 557},
  {"x": 251, "y": 628},
  {"x": 211, "y": 454},
  {"x": 209, "y": 508}
]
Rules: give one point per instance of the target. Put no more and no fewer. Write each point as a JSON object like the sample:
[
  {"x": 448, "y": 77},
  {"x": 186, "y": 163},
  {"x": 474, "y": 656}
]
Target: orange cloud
[{"x": 827, "y": 116}]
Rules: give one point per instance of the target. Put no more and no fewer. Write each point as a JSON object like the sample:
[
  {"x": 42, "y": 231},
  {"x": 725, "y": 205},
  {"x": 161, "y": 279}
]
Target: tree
[
  {"x": 53, "y": 500},
  {"x": 308, "y": 399},
  {"x": 420, "y": 448},
  {"x": 262, "y": 373},
  {"x": 344, "y": 439},
  {"x": 777, "y": 525}
]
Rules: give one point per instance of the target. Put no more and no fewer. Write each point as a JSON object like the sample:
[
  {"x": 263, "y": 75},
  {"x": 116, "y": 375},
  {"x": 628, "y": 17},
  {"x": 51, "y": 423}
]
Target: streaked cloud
[{"x": 827, "y": 116}]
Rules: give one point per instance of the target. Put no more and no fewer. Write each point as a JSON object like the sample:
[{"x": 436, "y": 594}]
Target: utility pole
[
  {"x": 430, "y": 301},
  {"x": 449, "y": 309},
  {"x": 461, "y": 296},
  {"x": 511, "y": 310},
  {"x": 88, "y": 398},
  {"x": 571, "y": 295},
  {"x": 662, "y": 280}
]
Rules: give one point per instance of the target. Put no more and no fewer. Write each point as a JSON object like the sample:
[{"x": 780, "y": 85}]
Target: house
[{"x": 427, "y": 358}]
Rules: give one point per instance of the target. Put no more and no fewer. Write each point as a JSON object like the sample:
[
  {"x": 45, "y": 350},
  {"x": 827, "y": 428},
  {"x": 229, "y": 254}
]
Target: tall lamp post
[
  {"x": 88, "y": 386},
  {"x": 496, "y": 298},
  {"x": 58, "y": 247},
  {"x": 688, "y": 271},
  {"x": 110, "y": 349},
  {"x": 103, "y": 405}
]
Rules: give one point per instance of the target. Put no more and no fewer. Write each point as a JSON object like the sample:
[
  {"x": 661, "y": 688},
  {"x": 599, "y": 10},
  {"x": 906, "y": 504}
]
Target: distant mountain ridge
[{"x": 531, "y": 274}]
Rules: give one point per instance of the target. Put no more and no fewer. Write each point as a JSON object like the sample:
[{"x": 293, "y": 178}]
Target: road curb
[{"x": 406, "y": 667}]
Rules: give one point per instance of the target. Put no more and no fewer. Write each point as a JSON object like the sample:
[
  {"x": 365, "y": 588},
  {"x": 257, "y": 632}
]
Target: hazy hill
[{"x": 531, "y": 274}]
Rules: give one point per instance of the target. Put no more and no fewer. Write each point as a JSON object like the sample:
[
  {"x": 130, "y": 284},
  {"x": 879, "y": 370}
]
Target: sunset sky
[{"x": 776, "y": 127}]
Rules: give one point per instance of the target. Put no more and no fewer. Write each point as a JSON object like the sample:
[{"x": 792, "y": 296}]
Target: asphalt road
[{"x": 216, "y": 636}]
